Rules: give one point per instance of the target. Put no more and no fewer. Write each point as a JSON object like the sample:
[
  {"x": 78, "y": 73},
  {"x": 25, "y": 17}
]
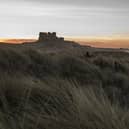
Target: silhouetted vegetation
[{"x": 58, "y": 90}]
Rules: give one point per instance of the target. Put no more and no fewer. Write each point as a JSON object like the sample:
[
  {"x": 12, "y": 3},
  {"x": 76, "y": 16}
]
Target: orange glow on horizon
[
  {"x": 15, "y": 41},
  {"x": 98, "y": 41},
  {"x": 104, "y": 42}
]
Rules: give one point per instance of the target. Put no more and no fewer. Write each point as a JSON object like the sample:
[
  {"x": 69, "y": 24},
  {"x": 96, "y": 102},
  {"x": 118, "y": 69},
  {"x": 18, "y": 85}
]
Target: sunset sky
[{"x": 70, "y": 18}]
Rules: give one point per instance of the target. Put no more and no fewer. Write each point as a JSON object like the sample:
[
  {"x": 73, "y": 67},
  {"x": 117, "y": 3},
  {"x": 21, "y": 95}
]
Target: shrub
[{"x": 75, "y": 68}]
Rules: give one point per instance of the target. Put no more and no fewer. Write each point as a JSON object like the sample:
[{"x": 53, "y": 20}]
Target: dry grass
[
  {"x": 41, "y": 90},
  {"x": 57, "y": 104}
]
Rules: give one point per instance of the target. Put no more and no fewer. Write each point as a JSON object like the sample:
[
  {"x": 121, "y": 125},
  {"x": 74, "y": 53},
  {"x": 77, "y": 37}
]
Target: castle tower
[
  {"x": 43, "y": 36},
  {"x": 49, "y": 37}
]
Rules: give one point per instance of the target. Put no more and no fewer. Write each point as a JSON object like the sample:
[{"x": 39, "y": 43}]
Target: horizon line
[{"x": 115, "y": 41}]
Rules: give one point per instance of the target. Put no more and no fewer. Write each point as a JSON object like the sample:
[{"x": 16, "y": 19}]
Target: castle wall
[{"x": 43, "y": 36}]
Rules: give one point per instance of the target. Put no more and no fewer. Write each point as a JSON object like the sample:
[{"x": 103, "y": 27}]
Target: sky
[{"x": 70, "y": 18}]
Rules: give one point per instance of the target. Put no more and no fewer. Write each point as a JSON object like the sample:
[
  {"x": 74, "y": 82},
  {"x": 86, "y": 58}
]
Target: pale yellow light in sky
[{"x": 116, "y": 41}]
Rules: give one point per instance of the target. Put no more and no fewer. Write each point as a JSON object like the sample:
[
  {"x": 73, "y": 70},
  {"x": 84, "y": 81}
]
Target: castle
[{"x": 48, "y": 37}]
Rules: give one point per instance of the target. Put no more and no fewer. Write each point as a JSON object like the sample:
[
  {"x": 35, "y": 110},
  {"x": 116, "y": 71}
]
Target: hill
[{"x": 57, "y": 84}]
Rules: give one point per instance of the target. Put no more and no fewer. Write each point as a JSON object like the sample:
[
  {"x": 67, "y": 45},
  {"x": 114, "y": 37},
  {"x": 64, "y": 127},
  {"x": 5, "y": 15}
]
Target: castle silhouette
[{"x": 48, "y": 37}]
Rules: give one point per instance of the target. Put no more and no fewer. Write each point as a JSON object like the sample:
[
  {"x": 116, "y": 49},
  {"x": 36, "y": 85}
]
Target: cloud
[
  {"x": 87, "y": 3},
  {"x": 83, "y": 3},
  {"x": 69, "y": 17}
]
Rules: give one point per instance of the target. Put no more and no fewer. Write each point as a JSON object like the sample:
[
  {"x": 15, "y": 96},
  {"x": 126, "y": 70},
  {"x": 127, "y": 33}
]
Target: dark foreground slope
[{"x": 74, "y": 88}]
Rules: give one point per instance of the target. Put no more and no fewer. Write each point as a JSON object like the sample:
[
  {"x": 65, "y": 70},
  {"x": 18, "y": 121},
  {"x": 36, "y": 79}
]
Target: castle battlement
[{"x": 48, "y": 36}]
